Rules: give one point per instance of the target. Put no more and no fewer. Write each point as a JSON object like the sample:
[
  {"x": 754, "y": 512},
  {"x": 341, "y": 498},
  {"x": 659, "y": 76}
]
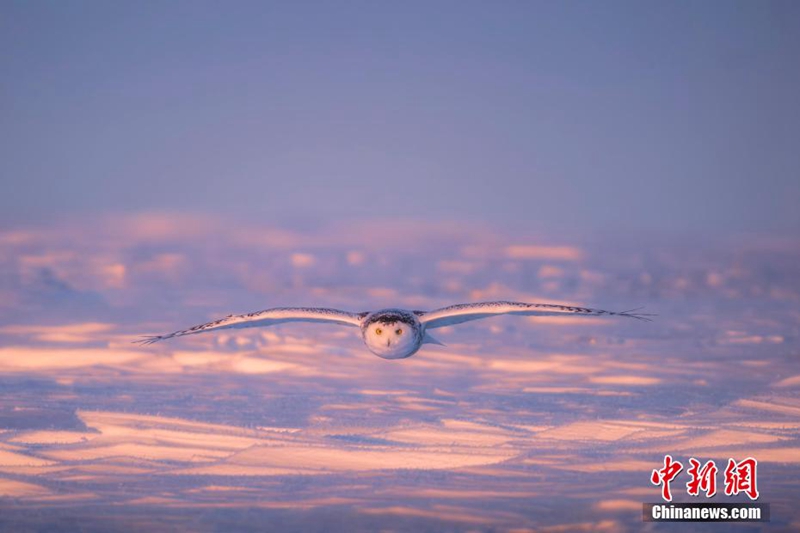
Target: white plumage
[{"x": 393, "y": 333}]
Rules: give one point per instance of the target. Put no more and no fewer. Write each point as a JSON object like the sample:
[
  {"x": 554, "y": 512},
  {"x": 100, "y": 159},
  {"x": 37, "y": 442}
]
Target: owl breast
[{"x": 392, "y": 333}]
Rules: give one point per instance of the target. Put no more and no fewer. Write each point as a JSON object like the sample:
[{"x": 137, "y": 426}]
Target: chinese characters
[{"x": 739, "y": 477}]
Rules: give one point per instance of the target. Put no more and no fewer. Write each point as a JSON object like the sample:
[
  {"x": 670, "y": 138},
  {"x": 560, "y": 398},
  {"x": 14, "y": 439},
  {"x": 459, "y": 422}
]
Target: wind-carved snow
[{"x": 541, "y": 422}]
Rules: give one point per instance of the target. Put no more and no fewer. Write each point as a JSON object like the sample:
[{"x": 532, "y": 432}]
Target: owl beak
[{"x": 388, "y": 343}]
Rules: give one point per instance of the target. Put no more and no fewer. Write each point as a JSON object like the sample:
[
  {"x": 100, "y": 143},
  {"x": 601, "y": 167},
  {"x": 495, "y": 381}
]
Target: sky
[{"x": 674, "y": 116}]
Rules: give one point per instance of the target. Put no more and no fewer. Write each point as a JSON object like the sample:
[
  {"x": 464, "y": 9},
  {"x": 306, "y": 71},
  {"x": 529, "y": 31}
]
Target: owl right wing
[
  {"x": 268, "y": 317},
  {"x": 456, "y": 314}
]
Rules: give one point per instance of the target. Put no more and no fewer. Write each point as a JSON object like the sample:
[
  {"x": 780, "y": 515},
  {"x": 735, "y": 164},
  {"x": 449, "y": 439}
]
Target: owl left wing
[
  {"x": 268, "y": 317},
  {"x": 457, "y": 314}
]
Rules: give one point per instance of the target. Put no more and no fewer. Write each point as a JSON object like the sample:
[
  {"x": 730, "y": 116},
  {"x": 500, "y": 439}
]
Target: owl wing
[
  {"x": 268, "y": 317},
  {"x": 456, "y": 314}
]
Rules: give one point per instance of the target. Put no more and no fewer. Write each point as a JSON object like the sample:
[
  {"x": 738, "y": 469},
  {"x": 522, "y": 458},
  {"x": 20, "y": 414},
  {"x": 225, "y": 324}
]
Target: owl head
[{"x": 392, "y": 335}]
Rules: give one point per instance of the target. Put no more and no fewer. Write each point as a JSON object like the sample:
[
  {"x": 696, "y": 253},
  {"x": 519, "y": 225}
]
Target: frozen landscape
[
  {"x": 552, "y": 423},
  {"x": 165, "y": 164}
]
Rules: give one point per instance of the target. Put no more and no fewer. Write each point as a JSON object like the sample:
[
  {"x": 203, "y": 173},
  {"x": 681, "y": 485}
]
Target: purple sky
[{"x": 669, "y": 116}]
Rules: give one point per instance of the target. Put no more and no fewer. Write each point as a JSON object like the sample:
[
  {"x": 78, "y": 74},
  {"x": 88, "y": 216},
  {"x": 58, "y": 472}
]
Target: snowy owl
[{"x": 392, "y": 333}]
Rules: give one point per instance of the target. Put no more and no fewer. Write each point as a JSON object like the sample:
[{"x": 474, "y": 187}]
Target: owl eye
[
  {"x": 378, "y": 331},
  {"x": 399, "y": 332}
]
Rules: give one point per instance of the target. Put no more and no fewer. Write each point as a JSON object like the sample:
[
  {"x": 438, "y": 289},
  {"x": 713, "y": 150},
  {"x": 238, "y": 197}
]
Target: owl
[{"x": 393, "y": 333}]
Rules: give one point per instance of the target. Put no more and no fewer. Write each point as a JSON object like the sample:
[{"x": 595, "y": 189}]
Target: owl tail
[{"x": 428, "y": 339}]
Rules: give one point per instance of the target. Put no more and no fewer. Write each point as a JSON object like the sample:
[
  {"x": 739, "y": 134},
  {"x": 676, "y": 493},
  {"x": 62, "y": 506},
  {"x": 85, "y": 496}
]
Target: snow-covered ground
[{"x": 544, "y": 423}]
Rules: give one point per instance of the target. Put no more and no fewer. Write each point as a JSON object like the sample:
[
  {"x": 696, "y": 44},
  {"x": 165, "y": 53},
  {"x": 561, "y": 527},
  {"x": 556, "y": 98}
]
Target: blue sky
[{"x": 667, "y": 116}]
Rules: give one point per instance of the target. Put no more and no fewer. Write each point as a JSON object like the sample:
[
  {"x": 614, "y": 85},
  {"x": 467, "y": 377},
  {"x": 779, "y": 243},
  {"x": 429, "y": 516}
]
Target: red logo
[
  {"x": 739, "y": 477},
  {"x": 664, "y": 476},
  {"x": 704, "y": 479}
]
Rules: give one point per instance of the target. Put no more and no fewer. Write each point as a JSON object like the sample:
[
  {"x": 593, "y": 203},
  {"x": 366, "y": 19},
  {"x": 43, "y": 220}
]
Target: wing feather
[
  {"x": 268, "y": 317},
  {"x": 457, "y": 314}
]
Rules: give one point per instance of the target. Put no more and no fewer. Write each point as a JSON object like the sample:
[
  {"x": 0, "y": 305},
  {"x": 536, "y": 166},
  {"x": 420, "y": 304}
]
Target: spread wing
[
  {"x": 268, "y": 317},
  {"x": 456, "y": 314}
]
